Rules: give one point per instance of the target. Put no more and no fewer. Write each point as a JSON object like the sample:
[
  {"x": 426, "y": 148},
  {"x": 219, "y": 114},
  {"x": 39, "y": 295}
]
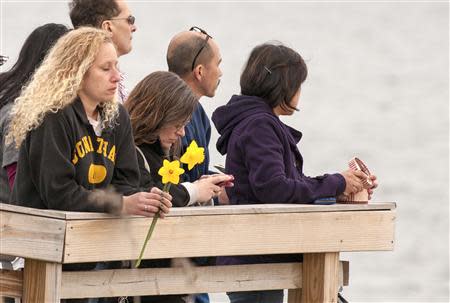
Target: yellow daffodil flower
[
  {"x": 170, "y": 172},
  {"x": 194, "y": 155}
]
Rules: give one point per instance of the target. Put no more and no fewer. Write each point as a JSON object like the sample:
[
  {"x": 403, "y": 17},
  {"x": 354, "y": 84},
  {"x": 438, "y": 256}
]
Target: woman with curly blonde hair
[{"x": 76, "y": 143}]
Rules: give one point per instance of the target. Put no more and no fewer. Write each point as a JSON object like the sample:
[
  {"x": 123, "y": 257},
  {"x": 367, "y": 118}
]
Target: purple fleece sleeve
[{"x": 266, "y": 153}]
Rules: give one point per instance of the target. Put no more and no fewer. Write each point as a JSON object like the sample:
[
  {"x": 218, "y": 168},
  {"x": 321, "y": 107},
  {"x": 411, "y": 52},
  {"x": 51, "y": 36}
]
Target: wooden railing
[{"x": 47, "y": 239}]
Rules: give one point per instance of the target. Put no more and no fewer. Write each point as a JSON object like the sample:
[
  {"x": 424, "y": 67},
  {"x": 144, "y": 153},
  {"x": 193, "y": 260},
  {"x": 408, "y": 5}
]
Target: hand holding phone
[{"x": 227, "y": 183}]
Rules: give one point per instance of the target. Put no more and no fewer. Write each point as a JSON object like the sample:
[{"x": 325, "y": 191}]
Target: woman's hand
[
  {"x": 211, "y": 186},
  {"x": 372, "y": 178},
  {"x": 147, "y": 203},
  {"x": 353, "y": 181}
]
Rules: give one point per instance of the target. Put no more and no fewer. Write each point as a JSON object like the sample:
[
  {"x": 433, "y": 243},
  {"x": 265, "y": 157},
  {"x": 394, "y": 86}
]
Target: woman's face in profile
[
  {"x": 295, "y": 100},
  {"x": 283, "y": 110},
  {"x": 170, "y": 134},
  {"x": 101, "y": 79}
]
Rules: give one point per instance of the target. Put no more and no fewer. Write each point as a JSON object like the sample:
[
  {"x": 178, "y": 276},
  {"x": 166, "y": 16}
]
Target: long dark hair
[
  {"x": 157, "y": 101},
  {"x": 31, "y": 55}
]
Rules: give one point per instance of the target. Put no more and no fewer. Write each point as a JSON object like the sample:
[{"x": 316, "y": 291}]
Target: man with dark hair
[
  {"x": 195, "y": 57},
  {"x": 113, "y": 16}
]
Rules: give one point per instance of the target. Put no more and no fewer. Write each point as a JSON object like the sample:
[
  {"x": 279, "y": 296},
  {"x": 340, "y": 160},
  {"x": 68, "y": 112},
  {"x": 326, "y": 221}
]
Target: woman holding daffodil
[{"x": 160, "y": 106}]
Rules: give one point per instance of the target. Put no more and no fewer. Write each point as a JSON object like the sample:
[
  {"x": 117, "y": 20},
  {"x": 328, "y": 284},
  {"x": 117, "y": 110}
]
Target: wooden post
[
  {"x": 41, "y": 281},
  {"x": 320, "y": 277}
]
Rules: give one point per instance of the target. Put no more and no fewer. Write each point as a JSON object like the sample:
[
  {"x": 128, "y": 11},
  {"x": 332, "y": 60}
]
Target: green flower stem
[{"x": 150, "y": 230}]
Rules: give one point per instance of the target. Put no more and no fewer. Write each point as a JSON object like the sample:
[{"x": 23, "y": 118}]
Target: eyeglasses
[
  {"x": 199, "y": 30},
  {"x": 178, "y": 127},
  {"x": 130, "y": 19}
]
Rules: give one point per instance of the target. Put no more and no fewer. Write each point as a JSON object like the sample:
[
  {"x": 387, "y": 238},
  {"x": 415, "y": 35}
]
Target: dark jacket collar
[
  {"x": 79, "y": 111},
  {"x": 297, "y": 135},
  {"x": 78, "y": 108},
  {"x": 152, "y": 147}
]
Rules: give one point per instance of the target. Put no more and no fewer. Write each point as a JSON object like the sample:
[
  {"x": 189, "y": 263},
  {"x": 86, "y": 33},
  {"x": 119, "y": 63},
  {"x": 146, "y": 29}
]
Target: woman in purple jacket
[{"x": 262, "y": 151}]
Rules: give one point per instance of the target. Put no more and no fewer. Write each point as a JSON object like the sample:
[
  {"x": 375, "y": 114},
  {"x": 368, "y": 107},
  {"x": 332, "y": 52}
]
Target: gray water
[{"x": 378, "y": 88}]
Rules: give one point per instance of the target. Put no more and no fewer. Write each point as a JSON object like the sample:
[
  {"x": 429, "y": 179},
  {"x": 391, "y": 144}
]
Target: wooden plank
[
  {"x": 248, "y": 209},
  {"x": 31, "y": 236},
  {"x": 155, "y": 281},
  {"x": 105, "y": 240},
  {"x": 320, "y": 278},
  {"x": 49, "y": 213},
  {"x": 207, "y": 279},
  {"x": 41, "y": 281},
  {"x": 206, "y": 210},
  {"x": 11, "y": 283}
]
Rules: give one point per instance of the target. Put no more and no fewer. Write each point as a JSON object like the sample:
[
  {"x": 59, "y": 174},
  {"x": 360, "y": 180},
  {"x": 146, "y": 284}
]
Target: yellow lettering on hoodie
[
  {"x": 112, "y": 154},
  {"x": 80, "y": 150},
  {"x": 105, "y": 147},
  {"x": 87, "y": 146},
  {"x": 99, "y": 149},
  {"x": 75, "y": 158}
]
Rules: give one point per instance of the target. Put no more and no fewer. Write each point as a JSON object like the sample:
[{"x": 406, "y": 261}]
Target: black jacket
[
  {"x": 63, "y": 160},
  {"x": 155, "y": 157}
]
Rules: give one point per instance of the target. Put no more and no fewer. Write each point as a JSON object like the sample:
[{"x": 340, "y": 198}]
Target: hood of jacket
[{"x": 238, "y": 109}]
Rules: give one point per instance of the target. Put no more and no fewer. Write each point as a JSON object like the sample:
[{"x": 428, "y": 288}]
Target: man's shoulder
[{"x": 199, "y": 117}]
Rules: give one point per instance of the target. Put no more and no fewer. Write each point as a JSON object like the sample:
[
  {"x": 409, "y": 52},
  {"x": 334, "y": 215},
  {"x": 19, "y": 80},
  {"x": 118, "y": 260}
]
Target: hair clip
[{"x": 268, "y": 70}]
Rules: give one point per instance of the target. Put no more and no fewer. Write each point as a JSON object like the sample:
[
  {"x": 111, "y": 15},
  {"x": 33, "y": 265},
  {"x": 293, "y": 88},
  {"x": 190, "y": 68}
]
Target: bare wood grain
[
  {"x": 31, "y": 236},
  {"x": 250, "y": 209},
  {"x": 41, "y": 281},
  {"x": 247, "y": 234},
  {"x": 11, "y": 283},
  {"x": 207, "y": 210},
  {"x": 155, "y": 281},
  {"x": 320, "y": 278}
]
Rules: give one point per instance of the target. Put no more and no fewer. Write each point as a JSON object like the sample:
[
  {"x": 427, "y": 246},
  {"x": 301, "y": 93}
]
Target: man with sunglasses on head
[
  {"x": 113, "y": 16},
  {"x": 195, "y": 57}
]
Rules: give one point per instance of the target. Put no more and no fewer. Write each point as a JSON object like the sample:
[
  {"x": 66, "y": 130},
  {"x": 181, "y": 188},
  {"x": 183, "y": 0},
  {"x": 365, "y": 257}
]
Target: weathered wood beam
[
  {"x": 32, "y": 236},
  {"x": 156, "y": 281},
  {"x": 41, "y": 281},
  {"x": 11, "y": 283},
  {"x": 248, "y": 234}
]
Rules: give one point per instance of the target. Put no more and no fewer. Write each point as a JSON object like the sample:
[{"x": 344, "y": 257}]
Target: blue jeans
[{"x": 261, "y": 296}]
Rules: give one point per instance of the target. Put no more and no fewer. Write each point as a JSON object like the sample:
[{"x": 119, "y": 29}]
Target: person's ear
[
  {"x": 198, "y": 72},
  {"x": 106, "y": 25}
]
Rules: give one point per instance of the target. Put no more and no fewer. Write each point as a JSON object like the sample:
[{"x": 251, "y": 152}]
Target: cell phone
[
  {"x": 220, "y": 168},
  {"x": 325, "y": 201},
  {"x": 226, "y": 183}
]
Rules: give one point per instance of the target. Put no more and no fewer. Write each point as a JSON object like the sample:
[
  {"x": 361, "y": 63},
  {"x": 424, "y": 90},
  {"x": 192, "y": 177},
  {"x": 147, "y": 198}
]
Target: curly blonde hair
[{"x": 57, "y": 81}]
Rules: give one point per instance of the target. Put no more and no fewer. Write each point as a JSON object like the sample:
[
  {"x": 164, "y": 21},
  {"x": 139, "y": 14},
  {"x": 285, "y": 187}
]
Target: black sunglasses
[
  {"x": 198, "y": 29},
  {"x": 130, "y": 19}
]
